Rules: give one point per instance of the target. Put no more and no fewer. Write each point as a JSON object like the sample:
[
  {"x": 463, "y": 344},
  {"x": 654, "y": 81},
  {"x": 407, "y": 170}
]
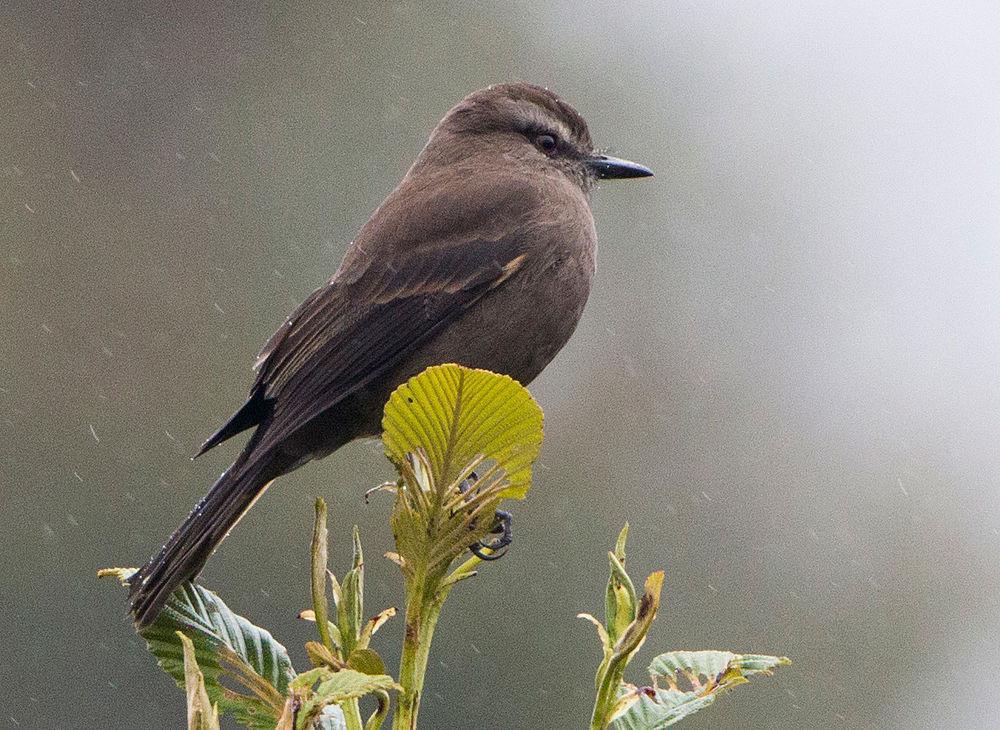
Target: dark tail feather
[
  {"x": 193, "y": 542},
  {"x": 249, "y": 415}
]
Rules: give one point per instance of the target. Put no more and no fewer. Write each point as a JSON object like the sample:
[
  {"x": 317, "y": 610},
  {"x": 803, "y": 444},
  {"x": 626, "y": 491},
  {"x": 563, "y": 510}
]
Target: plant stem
[
  {"x": 352, "y": 715},
  {"x": 606, "y": 695},
  {"x": 421, "y": 619},
  {"x": 376, "y": 719},
  {"x": 425, "y": 597}
]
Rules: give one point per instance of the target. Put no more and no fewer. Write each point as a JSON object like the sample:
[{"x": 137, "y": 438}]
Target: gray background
[{"x": 786, "y": 378}]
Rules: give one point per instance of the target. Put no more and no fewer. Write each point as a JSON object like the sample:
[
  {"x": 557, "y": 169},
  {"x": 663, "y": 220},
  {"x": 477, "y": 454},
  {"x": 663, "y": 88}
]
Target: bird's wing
[
  {"x": 433, "y": 248},
  {"x": 345, "y": 336}
]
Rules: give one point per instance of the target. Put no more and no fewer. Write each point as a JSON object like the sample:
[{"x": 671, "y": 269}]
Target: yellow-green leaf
[
  {"x": 457, "y": 414},
  {"x": 621, "y": 599}
]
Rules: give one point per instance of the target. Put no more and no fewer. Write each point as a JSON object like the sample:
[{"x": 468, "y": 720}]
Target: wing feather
[{"x": 346, "y": 336}]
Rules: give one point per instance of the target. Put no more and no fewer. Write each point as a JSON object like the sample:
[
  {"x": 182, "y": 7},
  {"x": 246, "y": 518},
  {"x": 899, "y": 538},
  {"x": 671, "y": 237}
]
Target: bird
[{"x": 482, "y": 255}]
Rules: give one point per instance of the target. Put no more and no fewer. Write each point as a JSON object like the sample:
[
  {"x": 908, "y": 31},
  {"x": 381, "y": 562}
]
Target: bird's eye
[{"x": 547, "y": 143}]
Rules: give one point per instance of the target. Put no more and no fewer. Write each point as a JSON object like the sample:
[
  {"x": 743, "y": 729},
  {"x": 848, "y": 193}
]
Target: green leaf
[
  {"x": 366, "y": 661},
  {"x": 375, "y": 720},
  {"x": 337, "y": 687},
  {"x": 226, "y": 646},
  {"x": 620, "y": 601},
  {"x": 348, "y": 684},
  {"x": 611, "y": 671},
  {"x": 349, "y": 610},
  {"x": 456, "y": 415},
  {"x": 694, "y": 679},
  {"x": 318, "y": 576},
  {"x": 202, "y": 714},
  {"x": 307, "y": 679},
  {"x": 620, "y": 544},
  {"x": 699, "y": 667}
]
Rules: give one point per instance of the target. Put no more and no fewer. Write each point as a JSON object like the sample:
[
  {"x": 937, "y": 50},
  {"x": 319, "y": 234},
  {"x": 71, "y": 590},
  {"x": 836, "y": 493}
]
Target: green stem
[
  {"x": 421, "y": 618},
  {"x": 378, "y": 717},
  {"x": 606, "y": 695},
  {"x": 352, "y": 715},
  {"x": 425, "y": 599},
  {"x": 319, "y": 565},
  {"x": 624, "y": 649}
]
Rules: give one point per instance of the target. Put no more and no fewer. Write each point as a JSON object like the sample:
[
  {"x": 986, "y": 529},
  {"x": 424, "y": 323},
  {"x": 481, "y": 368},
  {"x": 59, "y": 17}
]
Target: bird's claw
[
  {"x": 502, "y": 524},
  {"x": 497, "y": 546}
]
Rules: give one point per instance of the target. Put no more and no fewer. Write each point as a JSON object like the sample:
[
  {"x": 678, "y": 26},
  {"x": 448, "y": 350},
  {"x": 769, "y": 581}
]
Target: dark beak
[{"x": 612, "y": 168}]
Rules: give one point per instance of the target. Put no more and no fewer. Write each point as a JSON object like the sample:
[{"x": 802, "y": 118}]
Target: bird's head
[{"x": 531, "y": 125}]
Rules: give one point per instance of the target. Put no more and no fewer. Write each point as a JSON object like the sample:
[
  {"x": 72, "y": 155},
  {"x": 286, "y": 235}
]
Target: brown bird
[{"x": 482, "y": 255}]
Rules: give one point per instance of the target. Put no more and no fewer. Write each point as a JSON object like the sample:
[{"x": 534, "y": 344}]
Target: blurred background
[{"x": 786, "y": 379}]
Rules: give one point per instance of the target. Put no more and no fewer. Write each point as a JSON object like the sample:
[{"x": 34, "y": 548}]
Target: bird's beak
[{"x": 613, "y": 168}]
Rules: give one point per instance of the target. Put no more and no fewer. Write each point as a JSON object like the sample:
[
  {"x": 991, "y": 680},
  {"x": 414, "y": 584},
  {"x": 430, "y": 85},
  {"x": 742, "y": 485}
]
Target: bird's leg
[
  {"x": 497, "y": 546},
  {"x": 502, "y": 524}
]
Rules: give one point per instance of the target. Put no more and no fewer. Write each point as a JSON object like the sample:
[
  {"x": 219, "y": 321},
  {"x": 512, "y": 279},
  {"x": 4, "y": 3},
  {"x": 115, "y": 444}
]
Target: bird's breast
[{"x": 518, "y": 328}]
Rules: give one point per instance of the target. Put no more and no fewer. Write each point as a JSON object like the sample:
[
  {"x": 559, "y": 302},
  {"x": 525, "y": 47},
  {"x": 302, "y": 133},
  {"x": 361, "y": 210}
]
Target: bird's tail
[{"x": 193, "y": 542}]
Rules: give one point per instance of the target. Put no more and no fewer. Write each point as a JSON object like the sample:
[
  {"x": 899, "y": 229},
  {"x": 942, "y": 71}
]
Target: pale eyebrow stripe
[{"x": 546, "y": 121}]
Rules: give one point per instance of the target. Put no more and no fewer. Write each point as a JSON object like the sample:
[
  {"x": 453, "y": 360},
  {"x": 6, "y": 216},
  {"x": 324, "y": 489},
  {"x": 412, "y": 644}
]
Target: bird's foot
[
  {"x": 494, "y": 545},
  {"x": 498, "y": 545}
]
